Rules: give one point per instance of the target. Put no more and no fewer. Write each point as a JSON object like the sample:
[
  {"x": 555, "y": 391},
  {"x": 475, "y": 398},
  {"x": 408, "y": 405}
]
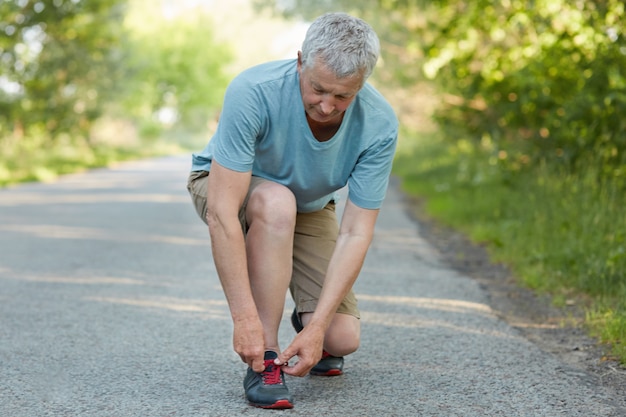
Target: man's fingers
[
  {"x": 258, "y": 364},
  {"x": 299, "y": 369},
  {"x": 255, "y": 361},
  {"x": 284, "y": 357}
]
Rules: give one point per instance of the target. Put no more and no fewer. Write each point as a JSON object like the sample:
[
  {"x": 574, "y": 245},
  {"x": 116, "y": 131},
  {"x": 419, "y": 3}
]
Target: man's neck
[{"x": 324, "y": 131}]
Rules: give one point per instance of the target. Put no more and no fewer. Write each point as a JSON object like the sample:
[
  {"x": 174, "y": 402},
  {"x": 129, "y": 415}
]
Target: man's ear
[{"x": 299, "y": 60}]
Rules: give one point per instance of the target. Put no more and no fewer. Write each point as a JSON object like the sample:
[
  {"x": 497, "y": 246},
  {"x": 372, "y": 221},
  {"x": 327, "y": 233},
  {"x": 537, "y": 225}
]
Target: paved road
[{"x": 110, "y": 306}]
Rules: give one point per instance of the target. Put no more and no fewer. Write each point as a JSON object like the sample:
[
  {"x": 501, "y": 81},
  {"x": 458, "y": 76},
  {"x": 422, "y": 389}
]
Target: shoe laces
[{"x": 272, "y": 374}]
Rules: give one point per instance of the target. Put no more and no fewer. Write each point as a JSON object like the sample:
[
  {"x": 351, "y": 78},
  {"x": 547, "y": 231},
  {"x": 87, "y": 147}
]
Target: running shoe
[{"x": 267, "y": 389}]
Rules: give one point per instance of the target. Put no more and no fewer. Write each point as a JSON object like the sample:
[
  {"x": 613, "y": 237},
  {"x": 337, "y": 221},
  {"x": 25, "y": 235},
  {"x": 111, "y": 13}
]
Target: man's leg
[
  {"x": 343, "y": 336},
  {"x": 271, "y": 217},
  {"x": 268, "y": 216}
]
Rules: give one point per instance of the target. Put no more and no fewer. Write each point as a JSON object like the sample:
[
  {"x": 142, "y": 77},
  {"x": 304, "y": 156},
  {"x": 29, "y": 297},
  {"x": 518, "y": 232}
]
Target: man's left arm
[{"x": 355, "y": 235}]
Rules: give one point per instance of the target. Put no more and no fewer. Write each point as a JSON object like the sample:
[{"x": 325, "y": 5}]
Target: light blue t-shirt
[{"x": 263, "y": 129}]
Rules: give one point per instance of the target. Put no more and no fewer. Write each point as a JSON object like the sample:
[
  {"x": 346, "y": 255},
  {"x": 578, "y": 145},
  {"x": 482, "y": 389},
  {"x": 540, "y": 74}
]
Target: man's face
[{"x": 326, "y": 97}]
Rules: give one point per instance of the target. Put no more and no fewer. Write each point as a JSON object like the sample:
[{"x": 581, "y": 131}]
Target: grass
[
  {"x": 31, "y": 160},
  {"x": 561, "y": 232}
]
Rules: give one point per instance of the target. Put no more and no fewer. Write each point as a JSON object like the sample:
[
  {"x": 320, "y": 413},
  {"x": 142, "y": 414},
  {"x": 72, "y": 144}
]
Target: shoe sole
[
  {"x": 332, "y": 372},
  {"x": 280, "y": 404}
]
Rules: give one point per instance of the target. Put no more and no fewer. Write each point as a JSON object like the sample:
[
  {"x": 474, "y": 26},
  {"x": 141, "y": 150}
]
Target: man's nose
[{"x": 327, "y": 106}]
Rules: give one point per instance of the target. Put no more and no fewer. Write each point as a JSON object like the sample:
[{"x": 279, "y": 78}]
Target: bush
[{"x": 542, "y": 83}]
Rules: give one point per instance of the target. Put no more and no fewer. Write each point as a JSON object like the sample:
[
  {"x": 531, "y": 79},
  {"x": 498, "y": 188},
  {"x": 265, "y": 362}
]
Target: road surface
[{"x": 110, "y": 306}]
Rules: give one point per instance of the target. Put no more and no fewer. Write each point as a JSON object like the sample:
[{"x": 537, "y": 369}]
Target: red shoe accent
[
  {"x": 331, "y": 372},
  {"x": 271, "y": 375},
  {"x": 280, "y": 404}
]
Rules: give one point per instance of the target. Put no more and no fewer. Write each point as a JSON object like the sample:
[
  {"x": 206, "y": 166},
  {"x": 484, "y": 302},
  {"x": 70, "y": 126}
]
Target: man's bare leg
[
  {"x": 271, "y": 215},
  {"x": 342, "y": 337}
]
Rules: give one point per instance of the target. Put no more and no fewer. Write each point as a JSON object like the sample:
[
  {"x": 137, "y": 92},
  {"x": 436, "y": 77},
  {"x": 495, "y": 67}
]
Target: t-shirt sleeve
[
  {"x": 368, "y": 182},
  {"x": 239, "y": 126}
]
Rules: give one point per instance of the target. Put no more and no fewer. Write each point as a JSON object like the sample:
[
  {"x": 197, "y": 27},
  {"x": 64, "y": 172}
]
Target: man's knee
[
  {"x": 272, "y": 204},
  {"x": 343, "y": 336}
]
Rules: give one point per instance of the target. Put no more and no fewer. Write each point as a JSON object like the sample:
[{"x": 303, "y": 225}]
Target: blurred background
[{"x": 512, "y": 112}]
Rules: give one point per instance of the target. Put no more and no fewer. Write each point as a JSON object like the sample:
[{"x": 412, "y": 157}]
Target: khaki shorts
[{"x": 313, "y": 245}]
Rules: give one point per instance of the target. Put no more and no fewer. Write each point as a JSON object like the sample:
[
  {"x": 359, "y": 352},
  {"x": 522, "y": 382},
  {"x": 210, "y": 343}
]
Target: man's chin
[{"x": 320, "y": 118}]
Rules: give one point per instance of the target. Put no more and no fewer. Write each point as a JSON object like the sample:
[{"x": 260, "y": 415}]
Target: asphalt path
[{"x": 110, "y": 306}]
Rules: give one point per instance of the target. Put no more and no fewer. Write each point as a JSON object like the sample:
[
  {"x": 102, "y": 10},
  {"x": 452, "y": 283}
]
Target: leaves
[
  {"x": 63, "y": 63},
  {"x": 173, "y": 66},
  {"x": 551, "y": 77},
  {"x": 57, "y": 66}
]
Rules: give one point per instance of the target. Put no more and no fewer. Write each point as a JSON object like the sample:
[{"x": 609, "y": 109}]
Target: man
[{"x": 291, "y": 133}]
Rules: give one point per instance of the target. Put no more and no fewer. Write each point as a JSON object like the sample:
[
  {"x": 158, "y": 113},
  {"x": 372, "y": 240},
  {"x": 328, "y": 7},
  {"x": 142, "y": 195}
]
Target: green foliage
[
  {"x": 37, "y": 159},
  {"x": 65, "y": 65},
  {"x": 546, "y": 82},
  {"x": 561, "y": 230},
  {"x": 609, "y": 324},
  {"x": 174, "y": 68},
  {"x": 57, "y": 64}
]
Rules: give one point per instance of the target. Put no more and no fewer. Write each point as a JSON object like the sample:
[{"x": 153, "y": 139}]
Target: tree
[
  {"x": 58, "y": 64},
  {"x": 540, "y": 81},
  {"x": 174, "y": 67}
]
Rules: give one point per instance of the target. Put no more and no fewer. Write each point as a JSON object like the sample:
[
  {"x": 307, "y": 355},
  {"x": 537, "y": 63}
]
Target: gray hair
[{"x": 347, "y": 45}]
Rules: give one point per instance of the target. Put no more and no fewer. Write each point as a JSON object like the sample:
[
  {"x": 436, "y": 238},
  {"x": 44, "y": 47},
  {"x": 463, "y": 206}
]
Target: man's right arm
[{"x": 226, "y": 192}]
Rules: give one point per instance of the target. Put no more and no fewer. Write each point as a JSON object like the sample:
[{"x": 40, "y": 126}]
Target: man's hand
[
  {"x": 248, "y": 342},
  {"x": 307, "y": 345}
]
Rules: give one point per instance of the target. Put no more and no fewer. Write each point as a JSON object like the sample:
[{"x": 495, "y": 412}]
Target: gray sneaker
[{"x": 267, "y": 389}]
